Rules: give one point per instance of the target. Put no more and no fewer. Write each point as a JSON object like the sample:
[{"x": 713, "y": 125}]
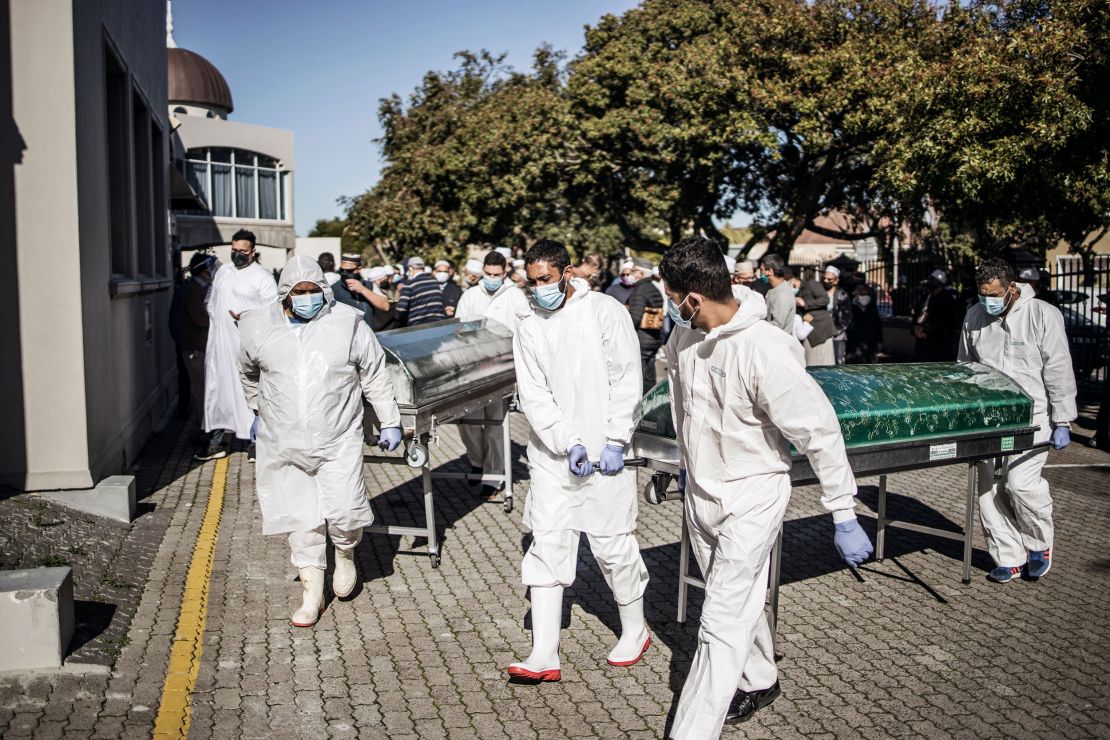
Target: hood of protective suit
[
  {"x": 301, "y": 269},
  {"x": 753, "y": 309}
]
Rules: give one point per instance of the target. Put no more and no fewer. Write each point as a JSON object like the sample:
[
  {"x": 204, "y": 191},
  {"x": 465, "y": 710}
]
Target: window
[
  {"x": 136, "y": 169},
  {"x": 118, "y": 152},
  {"x": 237, "y": 183}
]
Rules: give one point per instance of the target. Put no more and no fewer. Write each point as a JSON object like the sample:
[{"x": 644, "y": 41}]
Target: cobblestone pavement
[{"x": 421, "y": 652}]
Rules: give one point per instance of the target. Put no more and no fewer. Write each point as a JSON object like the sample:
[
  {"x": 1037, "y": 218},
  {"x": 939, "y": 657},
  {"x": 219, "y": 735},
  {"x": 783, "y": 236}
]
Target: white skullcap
[
  {"x": 505, "y": 252},
  {"x": 627, "y": 265},
  {"x": 745, "y": 266},
  {"x": 474, "y": 267},
  {"x": 445, "y": 263},
  {"x": 832, "y": 270},
  {"x": 939, "y": 276},
  {"x": 377, "y": 273},
  {"x": 518, "y": 263},
  {"x": 1030, "y": 273}
]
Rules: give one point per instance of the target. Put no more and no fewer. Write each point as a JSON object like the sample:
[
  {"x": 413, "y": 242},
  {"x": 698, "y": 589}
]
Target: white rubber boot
[
  {"x": 345, "y": 577},
  {"x": 634, "y": 635},
  {"x": 547, "y": 617},
  {"x": 312, "y": 601}
]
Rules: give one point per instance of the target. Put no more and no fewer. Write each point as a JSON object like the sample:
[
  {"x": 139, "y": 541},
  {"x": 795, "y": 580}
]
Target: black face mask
[
  {"x": 827, "y": 284},
  {"x": 349, "y": 275},
  {"x": 240, "y": 259}
]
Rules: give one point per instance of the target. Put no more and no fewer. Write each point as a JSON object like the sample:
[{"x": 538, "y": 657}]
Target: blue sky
[{"x": 319, "y": 67}]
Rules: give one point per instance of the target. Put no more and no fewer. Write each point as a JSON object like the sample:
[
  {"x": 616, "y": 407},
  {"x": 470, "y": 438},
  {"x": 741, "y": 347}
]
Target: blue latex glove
[
  {"x": 682, "y": 480},
  {"x": 579, "y": 462},
  {"x": 852, "y": 542},
  {"x": 390, "y": 438},
  {"x": 612, "y": 460},
  {"x": 1061, "y": 438}
]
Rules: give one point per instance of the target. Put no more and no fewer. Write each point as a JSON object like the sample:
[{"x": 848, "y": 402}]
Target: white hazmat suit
[
  {"x": 484, "y": 448},
  {"x": 307, "y": 381},
  {"x": 578, "y": 377},
  {"x": 1030, "y": 345},
  {"x": 509, "y": 307},
  {"x": 238, "y": 291},
  {"x": 740, "y": 396}
]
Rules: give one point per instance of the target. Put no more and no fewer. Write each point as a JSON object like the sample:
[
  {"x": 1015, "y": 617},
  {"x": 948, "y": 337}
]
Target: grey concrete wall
[
  {"x": 132, "y": 368},
  {"x": 13, "y": 450},
  {"x": 48, "y": 266}
]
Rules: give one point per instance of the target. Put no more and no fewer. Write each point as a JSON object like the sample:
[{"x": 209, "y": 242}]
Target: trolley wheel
[
  {"x": 416, "y": 455},
  {"x": 507, "y": 505},
  {"x": 656, "y": 489},
  {"x": 435, "y": 559}
]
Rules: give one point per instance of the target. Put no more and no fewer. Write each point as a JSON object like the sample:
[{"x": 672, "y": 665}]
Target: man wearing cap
[
  {"x": 621, "y": 288},
  {"x": 840, "y": 310},
  {"x": 643, "y": 301},
  {"x": 936, "y": 321},
  {"x": 1033, "y": 278},
  {"x": 189, "y": 328},
  {"x": 420, "y": 300},
  {"x": 745, "y": 275},
  {"x": 350, "y": 290},
  {"x": 472, "y": 274},
  {"x": 444, "y": 274}
]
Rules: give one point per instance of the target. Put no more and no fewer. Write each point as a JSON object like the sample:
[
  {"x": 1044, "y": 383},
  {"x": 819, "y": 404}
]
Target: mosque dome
[{"x": 194, "y": 80}]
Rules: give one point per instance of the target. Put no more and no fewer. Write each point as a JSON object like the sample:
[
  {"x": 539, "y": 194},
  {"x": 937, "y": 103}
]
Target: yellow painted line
[{"x": 174, "y": 711}]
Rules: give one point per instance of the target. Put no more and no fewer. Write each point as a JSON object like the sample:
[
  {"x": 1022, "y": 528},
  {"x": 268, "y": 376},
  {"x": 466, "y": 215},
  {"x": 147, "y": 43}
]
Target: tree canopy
[{"x": 679, "y": 113}]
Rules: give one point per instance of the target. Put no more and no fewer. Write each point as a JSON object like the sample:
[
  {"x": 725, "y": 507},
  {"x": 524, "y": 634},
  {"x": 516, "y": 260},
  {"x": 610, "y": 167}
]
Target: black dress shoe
[{"x": 746, "y": 703}]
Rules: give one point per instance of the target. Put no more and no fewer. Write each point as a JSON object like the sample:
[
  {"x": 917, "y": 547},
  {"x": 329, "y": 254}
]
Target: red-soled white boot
[
  {"x": 635, "y": 637},
  {"x": 547, "y": 616}
]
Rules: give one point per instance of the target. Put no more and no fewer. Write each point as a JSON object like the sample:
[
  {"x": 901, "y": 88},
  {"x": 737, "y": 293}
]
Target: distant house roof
[{"x": 194, "y": 79}]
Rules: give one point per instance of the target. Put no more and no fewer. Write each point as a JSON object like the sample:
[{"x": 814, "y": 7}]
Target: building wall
[
  {"x": 312, "y": 246},
  {"x": 96, "y": 365},
  {"x": 129, "y": 354},
  {"x": 44, "y": 344}
]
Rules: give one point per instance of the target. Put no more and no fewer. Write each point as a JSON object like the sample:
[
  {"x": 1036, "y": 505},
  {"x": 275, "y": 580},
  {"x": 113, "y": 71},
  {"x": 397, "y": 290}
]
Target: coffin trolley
[
  {"x": 442, "y": 373},
  {"x": 894, "y": 418}
]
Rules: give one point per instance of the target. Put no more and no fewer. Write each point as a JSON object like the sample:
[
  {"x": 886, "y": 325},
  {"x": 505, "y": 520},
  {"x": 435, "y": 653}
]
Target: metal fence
[{"x": 1081, "y": 291}]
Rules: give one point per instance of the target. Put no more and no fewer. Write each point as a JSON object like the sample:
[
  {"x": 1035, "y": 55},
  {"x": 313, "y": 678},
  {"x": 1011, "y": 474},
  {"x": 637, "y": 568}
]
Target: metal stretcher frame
[
  {"x": 421, "y": 427},
  {"x": 661, "y": 454}
]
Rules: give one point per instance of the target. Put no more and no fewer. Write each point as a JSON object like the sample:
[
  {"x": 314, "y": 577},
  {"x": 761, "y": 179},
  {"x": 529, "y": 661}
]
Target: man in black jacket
[
  {"x": 937, "y": 321},
  {"x": 813, "y": 301},
  {"x": 644, "y": 296},
  {"x": 840, "y": 310}
]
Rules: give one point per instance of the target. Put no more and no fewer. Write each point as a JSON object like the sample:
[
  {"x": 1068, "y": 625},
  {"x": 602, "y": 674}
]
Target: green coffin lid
[{"x": 878, "y": 404}]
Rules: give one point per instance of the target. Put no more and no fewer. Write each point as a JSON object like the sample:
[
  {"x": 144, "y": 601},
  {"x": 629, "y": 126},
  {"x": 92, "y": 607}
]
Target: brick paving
[{"x": 420, "y": 652}]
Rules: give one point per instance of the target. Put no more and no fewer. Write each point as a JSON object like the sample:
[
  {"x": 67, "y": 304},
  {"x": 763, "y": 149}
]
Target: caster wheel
[
  {"x": 416, "y": 455},
  {"x": 656, "y": 489},
  {"x": 508, "y": 505},
  {"x": 435, "y": 561}
]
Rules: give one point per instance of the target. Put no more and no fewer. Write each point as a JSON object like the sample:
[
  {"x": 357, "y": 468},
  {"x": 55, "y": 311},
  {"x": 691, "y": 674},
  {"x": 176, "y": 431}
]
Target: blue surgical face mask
[
  {"x": 675, "y": 312},
  {"x": 492, "y": 285},
  {"x": 994, "y": 305},
  {"x": 549, "y": 297},
  {"x": 795, "y": 290},
  {"x": 308, "y": 305}
]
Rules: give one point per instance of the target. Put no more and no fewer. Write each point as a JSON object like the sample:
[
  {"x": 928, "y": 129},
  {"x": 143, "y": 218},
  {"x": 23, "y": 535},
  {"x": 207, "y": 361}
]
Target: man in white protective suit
[
  {"x": 740, "y": 397},
  {"x": 307, "y": 363},
  {"x": 238, "y": 287},
  {"x": 578, "y": 377},
  {"x": 509, "y": 306},
  {"x": 1024, "y": 338},
  {"x": 484, "y": 445}
]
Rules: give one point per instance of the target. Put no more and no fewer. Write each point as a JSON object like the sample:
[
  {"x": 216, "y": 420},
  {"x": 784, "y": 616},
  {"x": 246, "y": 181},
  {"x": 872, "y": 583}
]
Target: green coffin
[{"x": 880, "y": 404}]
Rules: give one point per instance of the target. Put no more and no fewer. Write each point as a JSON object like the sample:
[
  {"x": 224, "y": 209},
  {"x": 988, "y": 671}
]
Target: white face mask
[{"x": 442, "y": 277}]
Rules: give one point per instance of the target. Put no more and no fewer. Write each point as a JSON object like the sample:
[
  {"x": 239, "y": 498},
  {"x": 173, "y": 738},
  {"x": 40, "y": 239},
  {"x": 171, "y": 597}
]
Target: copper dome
[{"x": 194, "y": 79}]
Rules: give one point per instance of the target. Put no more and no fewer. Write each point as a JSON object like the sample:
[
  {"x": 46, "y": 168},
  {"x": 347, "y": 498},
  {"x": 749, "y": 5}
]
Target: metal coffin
[
  {"x": 893, "y": 417},
  {"x": 448, "y": 368}
]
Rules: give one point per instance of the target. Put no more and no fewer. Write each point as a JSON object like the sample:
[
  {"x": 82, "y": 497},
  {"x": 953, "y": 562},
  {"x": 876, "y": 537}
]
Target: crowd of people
[{"x": 288, "y": 366}]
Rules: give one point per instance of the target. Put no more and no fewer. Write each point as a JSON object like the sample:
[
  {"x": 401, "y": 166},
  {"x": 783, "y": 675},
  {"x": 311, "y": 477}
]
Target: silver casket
[{"x": 447, "y": 369}]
